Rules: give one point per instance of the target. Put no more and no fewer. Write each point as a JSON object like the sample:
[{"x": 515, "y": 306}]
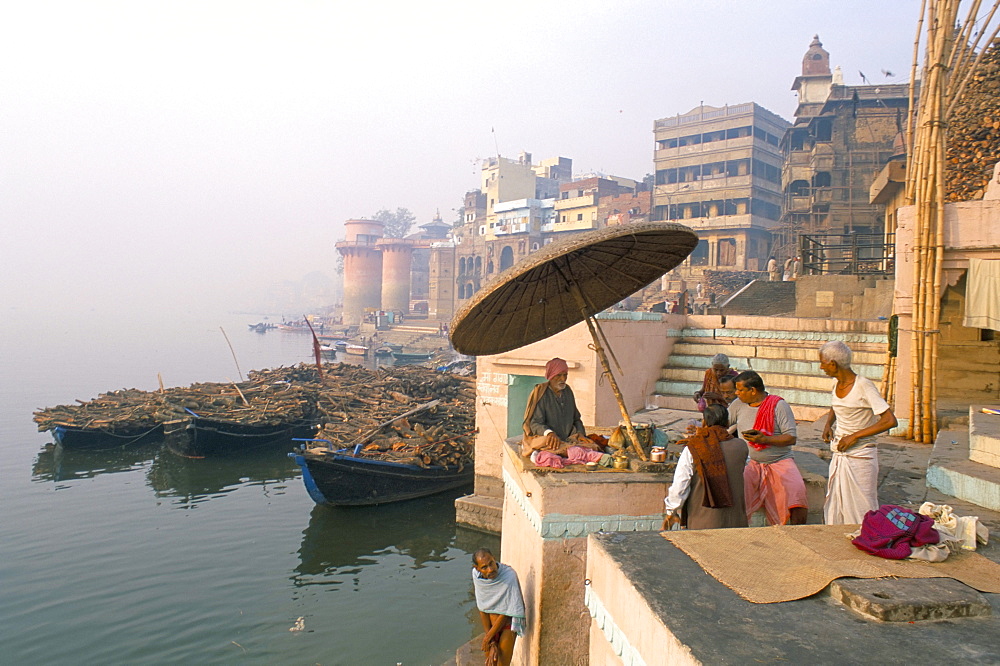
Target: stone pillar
[
  {"x": 546, "y": 520},
  {"x": 397, "y": 255},
  {"x": 362, "y": 268}
]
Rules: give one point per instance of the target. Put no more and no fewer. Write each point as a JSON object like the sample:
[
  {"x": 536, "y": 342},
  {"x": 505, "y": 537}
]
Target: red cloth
[
  {"x": 764, "y": 423},
  {"x": 892, "y": 532},
  {"x": 555, "y": 367}
]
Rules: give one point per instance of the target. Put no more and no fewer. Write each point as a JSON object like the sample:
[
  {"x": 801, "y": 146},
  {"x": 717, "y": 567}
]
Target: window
[
  {"x": 727, "y": 252},
  {"x": 579, "y": 217}
]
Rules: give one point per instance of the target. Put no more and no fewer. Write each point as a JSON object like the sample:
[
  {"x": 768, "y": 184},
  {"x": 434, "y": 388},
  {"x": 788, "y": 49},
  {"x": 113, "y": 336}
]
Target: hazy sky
[{"x": 158, "y": 155}]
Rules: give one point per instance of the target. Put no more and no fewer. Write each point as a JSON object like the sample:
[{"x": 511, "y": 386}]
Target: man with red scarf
[{"x": 771, "y": 479}]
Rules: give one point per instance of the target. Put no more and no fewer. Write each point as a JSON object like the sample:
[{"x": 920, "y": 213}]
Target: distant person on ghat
[
  {"x": 551, "y": 420},
  {"x": 500, "y": 604},
  {"x": 771, "y": 479}
]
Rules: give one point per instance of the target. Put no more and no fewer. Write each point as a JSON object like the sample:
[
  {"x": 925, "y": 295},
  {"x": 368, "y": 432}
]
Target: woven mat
[{"x": 771, "y": 564}]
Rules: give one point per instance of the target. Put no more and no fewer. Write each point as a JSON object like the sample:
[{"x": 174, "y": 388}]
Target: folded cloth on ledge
[{"x": 893, "y": 532}]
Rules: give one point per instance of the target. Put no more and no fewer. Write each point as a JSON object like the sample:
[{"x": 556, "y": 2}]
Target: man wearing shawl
[
  {"x": 708, "y": 481},
  {"x": 711, "y": 384},
  {"x": 551, "y": 420},
  {"x": 771, "y": 479},
  {"x": 500, "y": 604}
]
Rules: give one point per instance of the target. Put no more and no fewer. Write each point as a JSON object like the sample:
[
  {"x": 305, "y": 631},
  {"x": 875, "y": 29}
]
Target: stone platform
[
  {"x": 966, "y": 463},
  {"x": 651, "y": 603}
]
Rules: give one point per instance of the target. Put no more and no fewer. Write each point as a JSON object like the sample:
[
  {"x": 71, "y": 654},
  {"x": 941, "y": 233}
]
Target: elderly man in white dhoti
[{"x": 858, "y": 413}]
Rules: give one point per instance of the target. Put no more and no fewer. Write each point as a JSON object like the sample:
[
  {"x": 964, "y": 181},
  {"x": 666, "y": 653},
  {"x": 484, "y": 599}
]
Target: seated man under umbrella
[{"x": 553, "y": 429}]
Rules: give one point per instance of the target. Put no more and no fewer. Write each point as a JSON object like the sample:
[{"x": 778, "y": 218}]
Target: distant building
[
  {"x": 576, "y": 207},
  {"x": 841, "y": 139},
  {"x": 718, "y": 171}
]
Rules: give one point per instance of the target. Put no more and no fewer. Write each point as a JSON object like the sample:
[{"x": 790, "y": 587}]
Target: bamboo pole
[{"x": 602, "y": 356}]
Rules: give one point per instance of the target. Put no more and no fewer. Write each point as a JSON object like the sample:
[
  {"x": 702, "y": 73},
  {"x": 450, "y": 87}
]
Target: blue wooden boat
[
  {"x": 103, "y": 438},
  {"x": 199, "y": 437},
  {"x": 338, "y": 478}
]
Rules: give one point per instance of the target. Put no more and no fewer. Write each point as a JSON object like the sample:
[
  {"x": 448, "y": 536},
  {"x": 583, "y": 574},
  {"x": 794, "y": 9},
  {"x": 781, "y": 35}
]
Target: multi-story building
[
  {"x": 718, "y": 171},
  {"x": 577, "y": 206},
  {"x": 841, "y": 138},
  {"x": 521, "y": 208}
]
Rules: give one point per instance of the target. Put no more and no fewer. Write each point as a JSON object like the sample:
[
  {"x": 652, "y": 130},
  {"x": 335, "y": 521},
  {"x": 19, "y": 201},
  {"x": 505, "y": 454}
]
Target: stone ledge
[
  {"x": 480, "y": 513},
  {"x": 950, "y": 471},
  {"x": 909, "y": 599},
  {"x": 984, "y": 437}
]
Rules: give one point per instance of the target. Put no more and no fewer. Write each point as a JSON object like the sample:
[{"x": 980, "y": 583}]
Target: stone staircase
[
  {"x": 783, "y": 350},
  {"x": 761, "y": 298},
  {"x": 966, "y": 463}
]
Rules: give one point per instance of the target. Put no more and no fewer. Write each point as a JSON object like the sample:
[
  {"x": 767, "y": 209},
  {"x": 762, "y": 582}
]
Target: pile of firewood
[
  {"x": 362, "y": 406},
  {"x": 114, "y": 410},
  {"x": 973, "y": 144},
  {"x": 346, "y": 402}
]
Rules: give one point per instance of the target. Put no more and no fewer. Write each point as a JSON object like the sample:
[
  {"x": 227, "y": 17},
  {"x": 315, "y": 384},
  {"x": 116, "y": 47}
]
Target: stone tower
[{"x": 362, "y": 268}]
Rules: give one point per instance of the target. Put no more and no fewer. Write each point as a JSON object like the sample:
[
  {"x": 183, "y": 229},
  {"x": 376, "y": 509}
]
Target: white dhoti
[{"x": 852, "y": 489}]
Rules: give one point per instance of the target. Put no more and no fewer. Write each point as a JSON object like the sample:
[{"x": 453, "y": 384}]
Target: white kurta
[{"x": 852, "y": 489}]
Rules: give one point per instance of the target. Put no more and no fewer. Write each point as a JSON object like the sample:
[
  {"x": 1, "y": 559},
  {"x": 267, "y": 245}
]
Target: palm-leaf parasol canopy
[
  {"x": 536, "y": 298},
  {"x": 568, "y": 282}
]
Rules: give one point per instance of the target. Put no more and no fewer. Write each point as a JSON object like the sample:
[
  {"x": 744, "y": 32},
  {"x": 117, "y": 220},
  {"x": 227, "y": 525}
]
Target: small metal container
[
  {"x": 620, "y": 463},
  {"x": 658, "y": 454}
]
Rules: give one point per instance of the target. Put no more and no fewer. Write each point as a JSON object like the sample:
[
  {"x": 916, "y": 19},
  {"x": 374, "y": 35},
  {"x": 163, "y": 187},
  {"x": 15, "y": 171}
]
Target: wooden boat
[
  {"x": 383, "y": 351},
  {"x": 412, "y": 357},
  {"x": 356, "y": 350},
  {"x": 338, "y": 478},
  {"x": 73, "y": 437},
  {"x": 199, "y": 437}
]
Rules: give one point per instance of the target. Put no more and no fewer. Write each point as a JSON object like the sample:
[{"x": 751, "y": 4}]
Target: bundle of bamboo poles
[{"x": 953, "y": 51}]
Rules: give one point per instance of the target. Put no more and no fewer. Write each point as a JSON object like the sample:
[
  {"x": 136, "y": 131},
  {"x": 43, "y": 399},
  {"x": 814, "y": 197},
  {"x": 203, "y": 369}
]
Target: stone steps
[
  {"x": 801, "y": 374},
  {"x": 966, "y": 463},
  {"x": 785, "y": 351}
]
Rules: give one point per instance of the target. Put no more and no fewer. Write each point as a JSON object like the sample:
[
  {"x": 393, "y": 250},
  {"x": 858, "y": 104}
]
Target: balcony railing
[{"x": 848, "y": 254}]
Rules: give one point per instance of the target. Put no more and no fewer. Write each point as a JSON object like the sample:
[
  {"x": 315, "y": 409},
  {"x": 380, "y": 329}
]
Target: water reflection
[
  {"x": 337, "y": 539},
  {"x": 57, "y": 463},
  {"x": 196, "y": 480}
]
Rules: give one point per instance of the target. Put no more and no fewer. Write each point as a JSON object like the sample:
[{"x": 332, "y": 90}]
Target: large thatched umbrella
[{"x": 568, "y": 282}]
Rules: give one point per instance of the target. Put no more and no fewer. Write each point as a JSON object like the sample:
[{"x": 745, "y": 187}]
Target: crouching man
[{"x": 500, "y": 604}]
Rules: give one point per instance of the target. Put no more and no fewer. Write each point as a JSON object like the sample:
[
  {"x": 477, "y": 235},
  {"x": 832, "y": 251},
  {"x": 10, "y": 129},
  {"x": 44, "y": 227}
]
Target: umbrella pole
[{"x": 614, "y": 387}]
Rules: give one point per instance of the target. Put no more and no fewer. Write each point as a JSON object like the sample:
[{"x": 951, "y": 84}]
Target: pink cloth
[
  {"x": 777, "y": 486},
  {"x": 556, "y": 366},
  {"x": 579, "y": 455},
  {"x": 548, "y": 459}
]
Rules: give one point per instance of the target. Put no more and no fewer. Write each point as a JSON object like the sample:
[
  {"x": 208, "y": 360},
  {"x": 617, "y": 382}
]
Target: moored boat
[
  {"x": 97, "y": 438},
  {"x": 199, "y": 437},
  {"x": 412, "y": 357},
  {"x": 356, "y": 350},
  {"x": 341, "y": 479}
]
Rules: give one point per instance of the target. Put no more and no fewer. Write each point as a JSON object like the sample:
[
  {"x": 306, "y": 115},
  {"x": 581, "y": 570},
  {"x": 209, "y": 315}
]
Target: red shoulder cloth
[{"x": 764, "y": 423}]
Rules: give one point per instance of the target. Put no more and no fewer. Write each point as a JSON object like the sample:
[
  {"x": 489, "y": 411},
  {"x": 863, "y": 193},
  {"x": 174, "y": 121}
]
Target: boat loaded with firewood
[{"x": 424, "y": 451}]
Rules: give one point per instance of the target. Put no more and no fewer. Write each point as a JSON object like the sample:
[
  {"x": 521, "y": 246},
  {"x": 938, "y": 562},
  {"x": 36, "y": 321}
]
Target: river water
[{"x": 138, "y": 556}]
